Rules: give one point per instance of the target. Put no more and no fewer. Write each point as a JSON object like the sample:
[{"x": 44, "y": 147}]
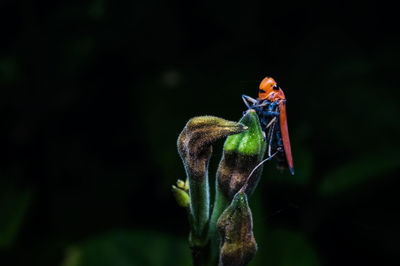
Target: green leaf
[
  {"x": 359, "y": 171},
  {"x": 129, "y": 248}
]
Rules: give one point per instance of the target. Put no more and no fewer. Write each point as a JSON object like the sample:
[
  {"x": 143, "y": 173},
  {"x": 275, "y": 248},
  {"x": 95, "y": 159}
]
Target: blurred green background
[{"x": 95, "y": 93}]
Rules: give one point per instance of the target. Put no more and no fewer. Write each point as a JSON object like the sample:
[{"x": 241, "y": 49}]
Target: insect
[{"x": 270, "y": 107}]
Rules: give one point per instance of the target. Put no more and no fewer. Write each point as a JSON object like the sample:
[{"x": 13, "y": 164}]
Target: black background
[{"x": 95, "y": 93}]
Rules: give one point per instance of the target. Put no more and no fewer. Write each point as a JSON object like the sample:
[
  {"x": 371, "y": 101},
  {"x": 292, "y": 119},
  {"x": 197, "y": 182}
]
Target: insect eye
[{"x": 275, "y": 87}]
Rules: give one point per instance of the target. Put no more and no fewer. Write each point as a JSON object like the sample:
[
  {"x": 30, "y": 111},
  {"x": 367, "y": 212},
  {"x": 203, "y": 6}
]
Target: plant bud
[
  {"x": 235, "y": 226},
  {"x": 242, "y": 153},
  {"x": 194, "y": 147},
  {"x": 194, "y": 142},
  {"x": 181, "y": 193}
]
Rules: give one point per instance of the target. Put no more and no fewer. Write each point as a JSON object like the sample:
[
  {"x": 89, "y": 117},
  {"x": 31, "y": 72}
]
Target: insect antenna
[{"x": 244, "y": 187}]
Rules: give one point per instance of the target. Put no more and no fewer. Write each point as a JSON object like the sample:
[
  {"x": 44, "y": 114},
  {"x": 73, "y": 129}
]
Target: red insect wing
[{"x": 285, "y": 136}]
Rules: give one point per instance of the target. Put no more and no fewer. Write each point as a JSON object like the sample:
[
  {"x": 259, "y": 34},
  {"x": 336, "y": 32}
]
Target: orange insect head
[{"x": 269, "y": 90}]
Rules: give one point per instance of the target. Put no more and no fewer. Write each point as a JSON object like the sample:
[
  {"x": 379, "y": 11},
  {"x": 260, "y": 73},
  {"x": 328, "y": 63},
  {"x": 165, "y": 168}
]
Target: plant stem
[
  {"x": 199, "y": 210},
  {"x": 220, "y": 204}
]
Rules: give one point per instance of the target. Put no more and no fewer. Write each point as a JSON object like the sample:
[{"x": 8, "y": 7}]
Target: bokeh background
[{"x": 93, "y": 95}]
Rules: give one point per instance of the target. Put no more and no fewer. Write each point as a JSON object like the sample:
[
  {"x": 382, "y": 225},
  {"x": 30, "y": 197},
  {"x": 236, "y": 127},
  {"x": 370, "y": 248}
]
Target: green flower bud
[
  {"x": 242, "y": 153},
  {"x": 183, "y": 185},
  {"x": 181, "y": 193},
  {"x": 235, "y": 225}
]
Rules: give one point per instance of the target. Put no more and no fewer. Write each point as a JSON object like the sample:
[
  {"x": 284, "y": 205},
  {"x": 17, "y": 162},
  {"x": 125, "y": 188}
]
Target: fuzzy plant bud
[
  {"x": 194, "y": 142},
  {"x": 235, "y": 226},
  {"x": 242, "y": 153},
  {"x": 194, "y": 147}
]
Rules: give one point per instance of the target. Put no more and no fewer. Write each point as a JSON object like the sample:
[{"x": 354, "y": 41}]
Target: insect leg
[
  {"x": 271, "y": 136},
  {"x": 247, "y": 99},
  {"x": 265, "y": 103},
  {"x": 270, "y": 123}
]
